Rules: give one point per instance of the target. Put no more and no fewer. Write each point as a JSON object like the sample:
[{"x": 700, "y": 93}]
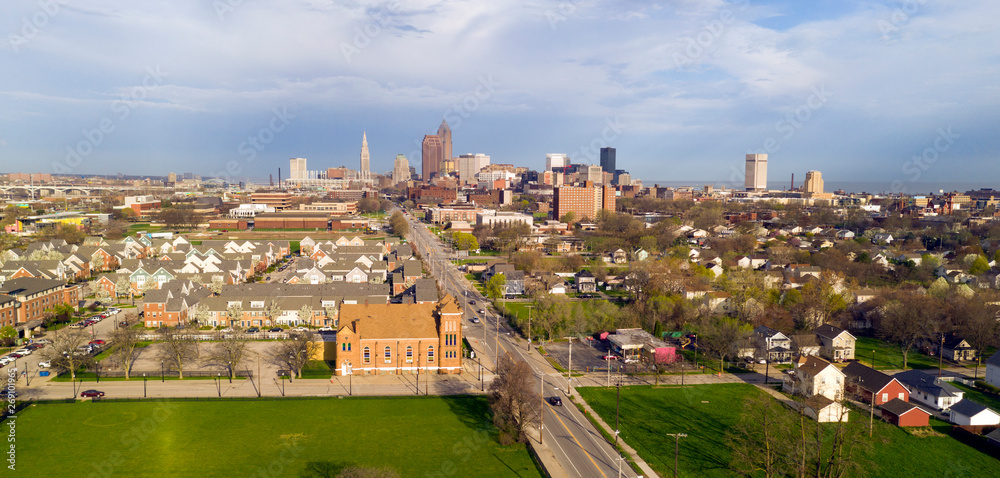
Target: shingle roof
[
  {"x": 391, "y": 321},
  {"x": 899, "y": 408},
  {"x": 927, "y": 383},
  {"x": 869, "y": 378},
  {"x": 814, "y": 365},
  {"x": 829, "y": 331},
  {"x": 969, "y": 408}
]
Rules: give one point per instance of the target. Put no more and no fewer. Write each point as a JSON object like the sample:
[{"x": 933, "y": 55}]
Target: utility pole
[
  {"x": 677, "y": 447},
  {"x": 618, "y": 402},
  {"x": 529, "y": 307},
  {"x": 941, "y": 356},
  {"x": 569, "y": 379}
]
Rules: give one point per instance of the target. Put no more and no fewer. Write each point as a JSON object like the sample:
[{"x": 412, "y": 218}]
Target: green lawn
[
  {"x": 889, "y": 356},
  {"x": 975, "y": 395},
  {"x": 426, "y": 436},
  {"x": 707, "y": 412}
]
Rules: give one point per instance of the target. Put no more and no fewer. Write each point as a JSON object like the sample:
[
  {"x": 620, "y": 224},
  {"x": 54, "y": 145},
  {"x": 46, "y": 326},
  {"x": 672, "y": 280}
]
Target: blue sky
[{"x": 683, "y": 89}]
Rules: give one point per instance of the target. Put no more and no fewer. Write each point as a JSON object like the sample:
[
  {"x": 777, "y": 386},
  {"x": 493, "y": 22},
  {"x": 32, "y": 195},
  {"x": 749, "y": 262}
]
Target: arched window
[
  {"x": 430, "y": 354},
  {"x": 388, "y": 355},
  {"x": 409, "y": 354},
  {"x": 366, "y": 355}
]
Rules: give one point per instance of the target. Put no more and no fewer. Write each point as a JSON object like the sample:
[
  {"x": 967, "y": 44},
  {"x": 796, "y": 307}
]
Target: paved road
[{"x": 578, "y": 446}]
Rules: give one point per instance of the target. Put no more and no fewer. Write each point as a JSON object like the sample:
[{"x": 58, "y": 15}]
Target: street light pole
[
  {"x": 161, "y": 372},
  {"x": 541, "y": 411},
  {"x": 677, "y": 447},
  {"x": 143, "y": 385},
  {"x": 941, "y": 356},
  {"x": 618, "y": 401},
  {"x": 529, "y": 307}
]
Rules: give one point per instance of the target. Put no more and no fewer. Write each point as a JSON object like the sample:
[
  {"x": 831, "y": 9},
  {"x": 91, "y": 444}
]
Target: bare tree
[
  {"x": 229, "y": 352},
  {"x": 514, "y": 400},
  {"x": 177, "y": 350},
  {"x": 908, "y": 318},
  {"x": 720, "y": 336},
  {"x": 66, "y": 352},
  {"x": 294, "y": 354},
  {"x": 125, "y": 341}
]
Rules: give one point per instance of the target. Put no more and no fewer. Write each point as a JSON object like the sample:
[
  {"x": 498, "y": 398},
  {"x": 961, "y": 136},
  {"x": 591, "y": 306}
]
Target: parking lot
[{"x": 586, "y": 355}]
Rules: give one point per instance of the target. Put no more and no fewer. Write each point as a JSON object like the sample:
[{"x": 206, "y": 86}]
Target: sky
[{"x": 895, "y": 91}]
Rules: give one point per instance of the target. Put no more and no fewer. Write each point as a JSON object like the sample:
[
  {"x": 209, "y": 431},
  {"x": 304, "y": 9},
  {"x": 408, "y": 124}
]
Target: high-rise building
[
  {"x": 814, "y": 182},
  {"x": 556, "y": 160},
  {"x": 584, "y": 202},
  {"x": 469, "y": 165},
  {"x": 401, "y": 169},
  {"x": 297, "y": 168},
  {"x": 432, "y": 153},
  {"x": 756, "y": 172},
  {"x": 172, "y": 178},
  {"x": 444, "y": 132},
  {"x": 365, "y": 157},
  {"x": 608, "y": 162},
  {"x": 594, "y": 174}
]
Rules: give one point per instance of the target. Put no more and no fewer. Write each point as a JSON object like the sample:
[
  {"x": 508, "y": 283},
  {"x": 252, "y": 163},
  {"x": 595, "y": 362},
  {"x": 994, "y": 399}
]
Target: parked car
[
  {"x": 275, "y": 329},
  {"x": 5, "y": 360},
  {"x": 15, "y": 355},
  {"x": 97, "y": 342},
  {"x": 326, "y": 328},
  {"x": 23, "y": 352},
  {"x": 43, "y": 341},
  {"x": 91, "y": 393},
  {"x": 555, "y": 401},
  {"x": 114, "y": 310},
  {"x": 45, "y": 364},
  {"x": 610, "y": 357},
  {"x": 300, "y": 329},
  {"x": 253, "y": 330}
]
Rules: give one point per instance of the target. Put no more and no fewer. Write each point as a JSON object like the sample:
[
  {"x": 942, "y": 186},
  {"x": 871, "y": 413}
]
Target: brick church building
[{"x": 400, "y": 338}]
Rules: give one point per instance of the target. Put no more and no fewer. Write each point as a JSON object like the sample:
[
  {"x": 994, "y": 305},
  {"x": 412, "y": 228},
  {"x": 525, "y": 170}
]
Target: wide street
[{"x": 580, "y": 449}]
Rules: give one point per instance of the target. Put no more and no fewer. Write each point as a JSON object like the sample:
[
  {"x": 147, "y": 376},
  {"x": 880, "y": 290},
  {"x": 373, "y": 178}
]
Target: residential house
[
  {"x": 837, "y": 344},
  {"x": 958, "y": 349},
  {"x": 824, "y": 410},
  {"x": 586, "y": 283},
  {"x": 815, "y": 376},
  {"x": 929, "y": 390},
  {"x": 865, "y": 383},
  {"x": 993, "y": 370},
  {"x": 972, "y": 416},
  {"x": 772, "y": 345},
  {"x": 805, "y": 344},
  {"x": 904, "y": 414}
]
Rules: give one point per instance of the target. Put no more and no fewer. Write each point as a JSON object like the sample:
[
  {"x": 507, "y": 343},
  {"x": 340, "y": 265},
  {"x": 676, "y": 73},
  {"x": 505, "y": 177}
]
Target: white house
[
  {"x": 969, "y": 413},
  {"x": 815, "y": 376},
  {"x": 929, "y": 390},
  {"x": 993, "y": 370}
]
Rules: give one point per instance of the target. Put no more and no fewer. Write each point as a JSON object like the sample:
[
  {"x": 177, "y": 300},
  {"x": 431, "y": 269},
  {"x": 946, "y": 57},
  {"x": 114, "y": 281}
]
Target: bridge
[{"x": 40, "y": 190}]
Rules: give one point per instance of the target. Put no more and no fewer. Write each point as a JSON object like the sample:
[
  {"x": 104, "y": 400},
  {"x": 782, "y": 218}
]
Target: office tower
[
  {"x": 556, "y": 160},
  {"x": 432, "y": 153},
  {"x": 298, "y": 168},
  {"x": 365, "y": 157},
  {"x": 444, "y": 132},
  {"x": 584, "y": 202},
  {"x": 594, "y": 174},
  {"x": 608, "y": 162},
  {"x": 814, "y": 183},
  {"x": 401, "y": 169},
  {"x": 756, "y": 172},
  {"x": 172, "y": 178},
  {"x": 469, "y": 166}
]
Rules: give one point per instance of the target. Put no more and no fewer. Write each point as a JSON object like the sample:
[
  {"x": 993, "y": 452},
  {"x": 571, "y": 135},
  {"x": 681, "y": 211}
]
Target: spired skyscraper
[
  {"x": 756, "y": 172},
  {"x": 444, "y": 132},
  {"x": 365, "y": 169}
]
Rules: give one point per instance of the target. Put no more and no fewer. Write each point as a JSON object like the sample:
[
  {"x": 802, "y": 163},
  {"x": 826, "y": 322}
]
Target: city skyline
[{"x": 858, "y": 89}]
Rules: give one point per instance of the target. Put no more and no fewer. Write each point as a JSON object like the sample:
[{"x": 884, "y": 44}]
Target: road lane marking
[{"x": 585, "y": 452}]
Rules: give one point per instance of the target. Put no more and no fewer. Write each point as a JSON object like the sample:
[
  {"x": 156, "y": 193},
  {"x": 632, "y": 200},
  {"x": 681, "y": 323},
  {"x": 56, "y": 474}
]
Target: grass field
[
  {"x": 427, "y": 436},
  {"x": 889, "y": 356},
  {"x": 707, "y": 412}
]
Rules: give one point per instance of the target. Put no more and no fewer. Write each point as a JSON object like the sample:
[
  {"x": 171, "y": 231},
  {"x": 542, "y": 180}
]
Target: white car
[
  {"x": 300, "y": 329},
  {"x": 5, "y": 361},
  {"x": 45, "y": 364},
  {"x": 326, "y": 329},
  {"x": 23, "y": 352},
  {"x": 114, "y": 310}
]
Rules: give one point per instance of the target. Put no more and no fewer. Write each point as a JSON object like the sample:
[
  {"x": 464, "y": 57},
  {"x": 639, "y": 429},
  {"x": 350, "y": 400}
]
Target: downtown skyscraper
[{"x": 364, "y": 172}]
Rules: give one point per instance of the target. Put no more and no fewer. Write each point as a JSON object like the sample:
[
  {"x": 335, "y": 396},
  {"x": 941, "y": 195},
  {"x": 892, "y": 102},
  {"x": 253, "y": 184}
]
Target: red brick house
[
  {"x": 399, "y": 338},
  {"x": 866, "y": 382},
  {"x": 904, "y": 414}
]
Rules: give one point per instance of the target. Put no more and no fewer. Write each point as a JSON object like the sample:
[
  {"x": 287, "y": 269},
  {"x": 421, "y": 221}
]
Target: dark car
[
  {"x": 555, "y": 401},
  {"x": 91, "y": 394},
  {"x": 7, "y": 393},
  {"x": 276, "y": 329},
  {"x": 97, "y": 342},
  {"x": 253, "y": 330},
  {"x": 123, "y": 323}
]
